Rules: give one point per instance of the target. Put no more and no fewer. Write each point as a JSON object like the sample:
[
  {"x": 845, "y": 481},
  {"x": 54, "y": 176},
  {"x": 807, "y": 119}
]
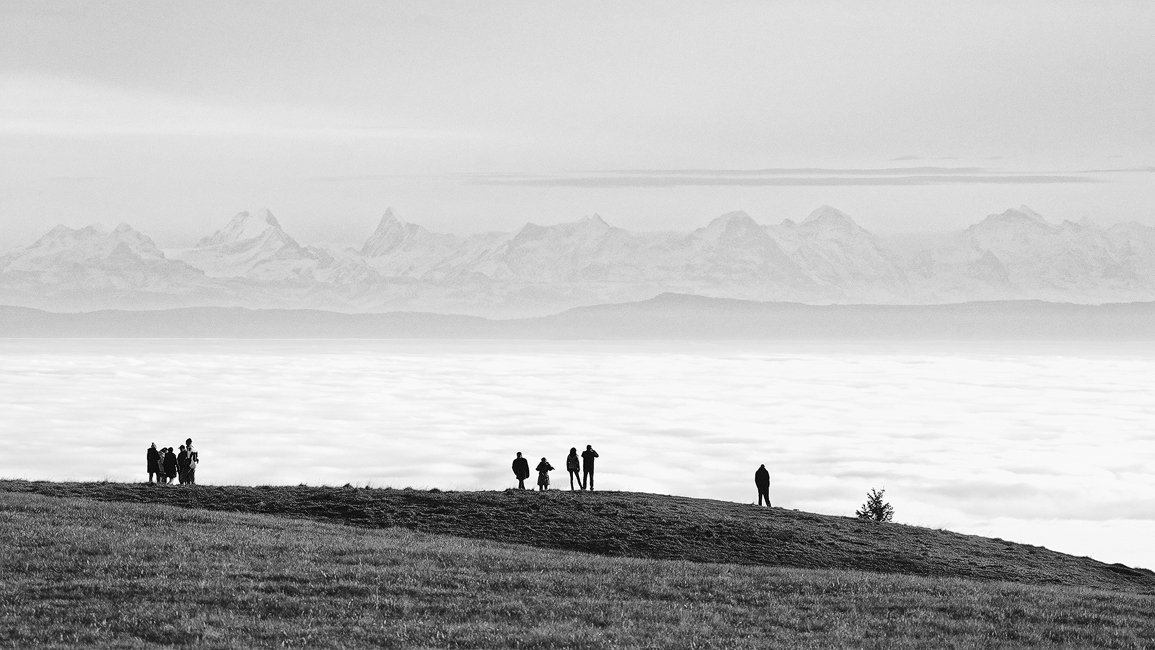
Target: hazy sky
[{"x": 476, "y": 116}]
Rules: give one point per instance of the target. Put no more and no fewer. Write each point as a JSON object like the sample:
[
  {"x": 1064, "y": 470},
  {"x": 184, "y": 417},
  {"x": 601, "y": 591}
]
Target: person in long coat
[
  {"x": 543, "y": 470},
  {"x": 153, "y": 464},
  {"x": 182, "y": 465},
  {"x": 520, "y": 470},
  {"x": 762, "y": 481},
  {"x": 170, "y": 466}
]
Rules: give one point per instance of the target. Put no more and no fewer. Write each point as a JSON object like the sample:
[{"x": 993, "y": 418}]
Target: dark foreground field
[
  {"x": 641, "y": 525},
  {"x": 82, "y": 573}
]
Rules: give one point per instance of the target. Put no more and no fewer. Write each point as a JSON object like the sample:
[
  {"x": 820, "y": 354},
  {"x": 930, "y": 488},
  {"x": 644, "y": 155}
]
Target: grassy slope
[
  {"x": 644, "y": 526},
  {"x": 78, "y": 573}
]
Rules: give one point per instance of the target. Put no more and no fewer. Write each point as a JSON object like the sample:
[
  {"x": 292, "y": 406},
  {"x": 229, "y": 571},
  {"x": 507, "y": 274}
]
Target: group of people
[
  {"x": 169, "y": 466},
  {"x": 582, "y": 470},
  {"x": 585, "y": 479}
]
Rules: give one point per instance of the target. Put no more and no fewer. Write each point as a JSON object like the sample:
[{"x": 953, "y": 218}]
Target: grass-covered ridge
[
  {"x": 78, "y": 573},
  {"x": 643, "y": 526}
]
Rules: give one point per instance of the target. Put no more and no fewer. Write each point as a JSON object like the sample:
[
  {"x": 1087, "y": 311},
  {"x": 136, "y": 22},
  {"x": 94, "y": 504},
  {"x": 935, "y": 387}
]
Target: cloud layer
[
  {"x": 790, "y": 178},
  {"x": 1046, "y": 446}
]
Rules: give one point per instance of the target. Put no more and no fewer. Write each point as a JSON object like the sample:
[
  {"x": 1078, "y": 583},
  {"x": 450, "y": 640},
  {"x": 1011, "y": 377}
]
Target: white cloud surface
[{"x": 1039, "y": 444}]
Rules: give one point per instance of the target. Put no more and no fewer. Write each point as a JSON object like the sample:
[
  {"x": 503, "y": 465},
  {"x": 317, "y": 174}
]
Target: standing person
[
  {"x": 762, "y": 480},
  {"x": 543, "y": 470},
  {"x": 170, "y": 465},
  {"x": 574, "y": 469},
  {"x": 182, "y": 465},
  {"x": 588, "y": 457},
  {"x": 520, "y": 470},
  {"x": 193, "y": 461},
  {"x": 152, "y": 457}
]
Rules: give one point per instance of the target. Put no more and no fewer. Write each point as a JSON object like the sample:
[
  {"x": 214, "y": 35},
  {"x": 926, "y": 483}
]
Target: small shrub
[{"x": 875, "y": 509}]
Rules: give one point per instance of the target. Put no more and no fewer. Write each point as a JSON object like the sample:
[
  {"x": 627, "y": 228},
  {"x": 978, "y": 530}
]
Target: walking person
[
  {"x": 543, "y": 470},
  {"x": 574, "y": 468},
  {"x": 520, "y": 470},
  {"x": 762, "y": 480},
  {"x": 588, "y": 457},
  {"x": 182, "y": 465},
  {"x": 193, "y": 461},
  {"x": 153, "y": 465},
  {"x": 170, "y": 466}
]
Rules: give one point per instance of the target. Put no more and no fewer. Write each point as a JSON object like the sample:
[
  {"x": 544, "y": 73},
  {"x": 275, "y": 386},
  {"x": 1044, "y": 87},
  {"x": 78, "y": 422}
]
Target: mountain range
[
  {"x": 826, "y": 258},
  {"x": 667, "y": 316}
]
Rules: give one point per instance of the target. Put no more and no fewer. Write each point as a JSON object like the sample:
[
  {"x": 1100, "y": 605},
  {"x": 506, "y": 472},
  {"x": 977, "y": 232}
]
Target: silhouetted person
[
  {"x": 543, "y": 470},
  {"x": 182, "y": 465},
  {"x": 762, "y": 480},
  {"x": 574, "y": 468},
  {"x": 153, "y": 462},
  {"x": 588, "y": 457},
  {"x": 520, "y": 470},
  {"x": 170, "y": 465},
  {"x": 193, "y": 460}
]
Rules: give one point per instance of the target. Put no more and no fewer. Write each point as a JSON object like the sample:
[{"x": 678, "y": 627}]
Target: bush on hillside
[{"x": 875, "y": 509}]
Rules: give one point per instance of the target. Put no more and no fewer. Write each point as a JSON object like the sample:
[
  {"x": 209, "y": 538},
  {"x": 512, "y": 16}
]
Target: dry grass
[
  {"x": 79, "y": 573},
  {"x": 625, "y": 524}
]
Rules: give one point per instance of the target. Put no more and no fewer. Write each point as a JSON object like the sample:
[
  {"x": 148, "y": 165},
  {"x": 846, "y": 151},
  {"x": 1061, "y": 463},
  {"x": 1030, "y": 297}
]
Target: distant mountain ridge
[
  {"x": 667, "y": 316},
  {"x": 826, "y": 258}
]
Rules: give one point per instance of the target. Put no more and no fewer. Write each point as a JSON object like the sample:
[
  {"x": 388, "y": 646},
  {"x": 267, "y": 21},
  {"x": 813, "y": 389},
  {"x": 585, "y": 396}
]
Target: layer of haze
[
  {"x": 1038, "y": 443},
  {"x": 173, "y": 116}
]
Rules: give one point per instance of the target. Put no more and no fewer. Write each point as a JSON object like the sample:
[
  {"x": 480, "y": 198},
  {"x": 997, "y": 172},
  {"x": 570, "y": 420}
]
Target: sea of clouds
[{"x": 1049, "y": 444}]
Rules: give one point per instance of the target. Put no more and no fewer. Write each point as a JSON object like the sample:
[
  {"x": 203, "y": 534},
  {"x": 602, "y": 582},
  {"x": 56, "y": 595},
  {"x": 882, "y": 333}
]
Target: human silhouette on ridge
[
  {"x": 153, "y": 462},
  {"x": 543, "y": 470},
  {"x": 588, "y": 457},
  {"x": 762, "y": 480},
  {"x": 573, "y": 466},
  {"x": 520, "y": 470}
]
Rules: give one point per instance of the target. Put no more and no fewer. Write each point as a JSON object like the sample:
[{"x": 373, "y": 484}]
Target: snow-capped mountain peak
[
  {"x": 1031, "y": 213},
  {"x": 731, "y": 225},
  {"x": 596, "y": 222},
  {"x": 542, "y": 268},
  {"x": 1022, "y": 215},
  {"x": 392, "y": 232},
  {"x": 91, "y": 260},
  {"x": 94, "y": 242},
  {"x": 828, "y": 217},
  {"x": 390, "y": 219},
  {"x": 249, "y": 245},
  {"x": 244, "y": 227}
]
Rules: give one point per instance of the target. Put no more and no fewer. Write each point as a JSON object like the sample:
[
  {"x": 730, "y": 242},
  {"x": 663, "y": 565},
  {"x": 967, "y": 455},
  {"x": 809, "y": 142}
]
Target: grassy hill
[
  {"x": 144, "y": 566},
  {"x": 640, "y": 525}
]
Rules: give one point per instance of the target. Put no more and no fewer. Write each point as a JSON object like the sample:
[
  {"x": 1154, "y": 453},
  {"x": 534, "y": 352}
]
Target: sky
[{"x": 464, "y": 117}]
